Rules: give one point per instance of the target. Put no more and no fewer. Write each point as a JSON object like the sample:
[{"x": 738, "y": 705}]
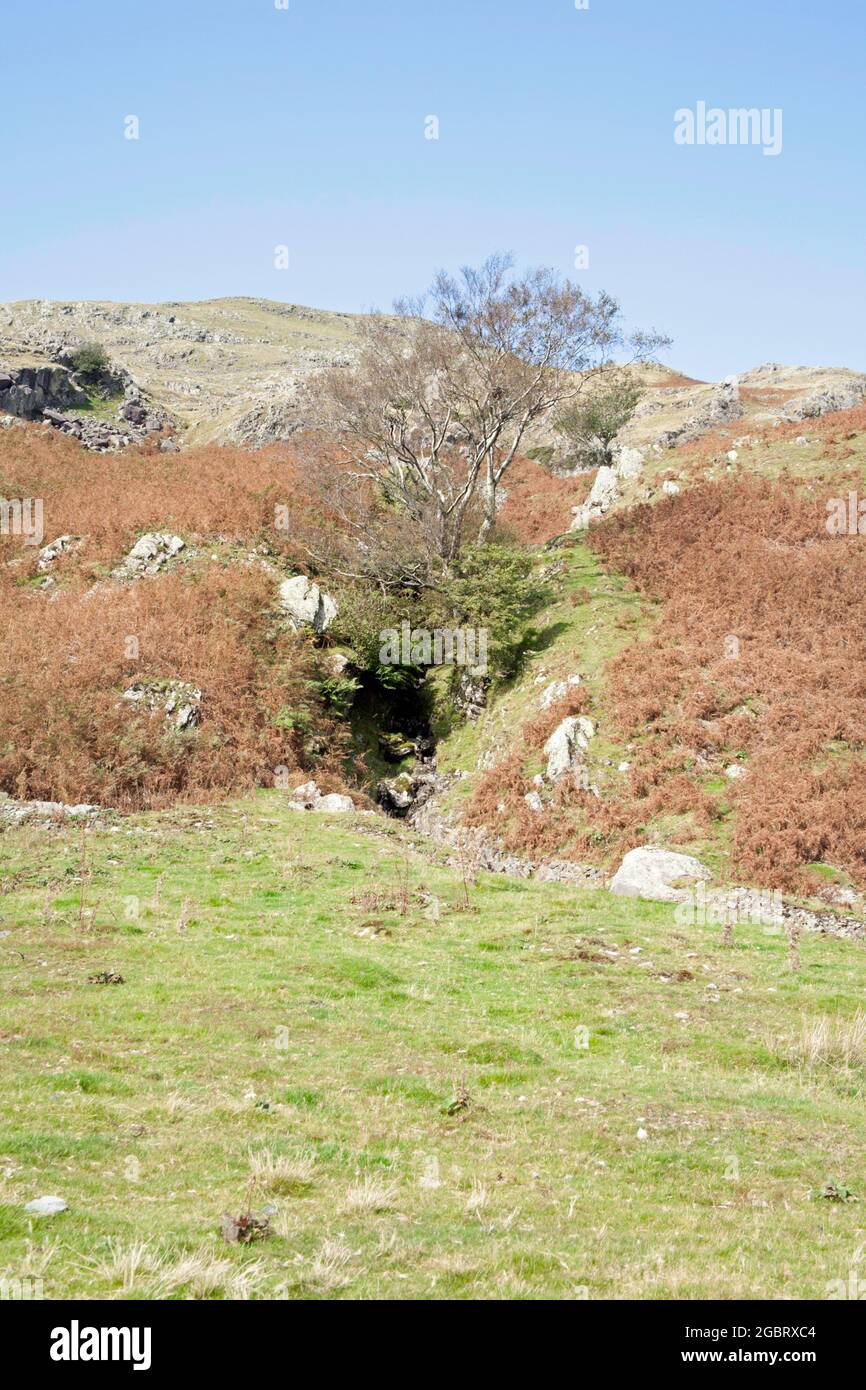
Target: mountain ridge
[{"x": 238, "y": 369}]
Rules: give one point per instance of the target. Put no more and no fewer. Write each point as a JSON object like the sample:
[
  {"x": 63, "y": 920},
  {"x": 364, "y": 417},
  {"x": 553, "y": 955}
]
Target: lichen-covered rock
[
  {"x": 405, "y": 794},
  {"x": 470, "y": 693}
]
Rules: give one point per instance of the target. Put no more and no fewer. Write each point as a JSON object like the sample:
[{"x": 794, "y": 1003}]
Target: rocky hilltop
[
  {"x": 239, "y": 371},
  {"x": 233, "y": 370}
]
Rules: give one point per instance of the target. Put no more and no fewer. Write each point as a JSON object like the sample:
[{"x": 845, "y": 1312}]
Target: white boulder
[
  {"x": 308, "y": 798},
  {"x": 661, "y": 875},
  {"x": 306, "y": 604},
  {"x": 566, "y": 749}
]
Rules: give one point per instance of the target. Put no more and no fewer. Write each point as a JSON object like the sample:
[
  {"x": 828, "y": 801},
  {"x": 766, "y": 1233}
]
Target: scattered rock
[
  {"x": 49, "y": 553},
  {"x": 46, "y": 1206},
  {"x": 557, "y": 690},
  {"x": 306, "y": 604},
  {"x": 177, "y": 701},
  {"x": 308, "y": 798},
  {"x": 149, "y": 555},
  {"x": 670, "y": 488},
  {"x": 658, "y": 874},
  {"x": 47, "y": 812},
  {"x": 735, "y": 770}
]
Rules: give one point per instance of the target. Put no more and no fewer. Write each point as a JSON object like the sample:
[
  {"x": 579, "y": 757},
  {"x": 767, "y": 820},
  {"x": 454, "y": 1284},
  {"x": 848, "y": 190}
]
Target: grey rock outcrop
[
  {"x": 821, "y": 402},
  {"x": 607, "y": 486},
  {"x": 51, "y": 552},
  {"x": 27, "y": 391},
  {"x": 557, "y": 690},
  {"x": 722, "y": 407}
]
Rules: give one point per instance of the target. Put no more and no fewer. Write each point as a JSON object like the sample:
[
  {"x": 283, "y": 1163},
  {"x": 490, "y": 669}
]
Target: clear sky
[{"x": 305, "y": 127}]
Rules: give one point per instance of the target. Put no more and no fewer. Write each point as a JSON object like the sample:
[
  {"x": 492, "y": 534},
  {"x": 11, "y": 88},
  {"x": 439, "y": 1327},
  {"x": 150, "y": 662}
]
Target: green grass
[{"x": 268, "y": 1021}]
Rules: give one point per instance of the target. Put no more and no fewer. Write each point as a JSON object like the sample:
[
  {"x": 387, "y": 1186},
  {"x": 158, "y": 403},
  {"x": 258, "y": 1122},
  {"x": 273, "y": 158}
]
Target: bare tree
[{"x": 437, "y": 406}]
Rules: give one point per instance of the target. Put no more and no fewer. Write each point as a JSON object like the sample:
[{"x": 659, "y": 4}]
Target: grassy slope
[
  {"x": 592, "y": 616},
  {"x": 140, "y": 1103},
  {"x": 595, "y": 613}
]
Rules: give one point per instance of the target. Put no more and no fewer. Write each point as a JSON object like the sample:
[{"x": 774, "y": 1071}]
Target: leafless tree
[{"x": 442, "y": 395}]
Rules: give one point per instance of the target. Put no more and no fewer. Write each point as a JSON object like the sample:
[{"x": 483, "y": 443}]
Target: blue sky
[{"x": 305, "y": 127}]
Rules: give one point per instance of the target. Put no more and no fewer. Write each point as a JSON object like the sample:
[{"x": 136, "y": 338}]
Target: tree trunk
[{"x": 489, "y": 494}]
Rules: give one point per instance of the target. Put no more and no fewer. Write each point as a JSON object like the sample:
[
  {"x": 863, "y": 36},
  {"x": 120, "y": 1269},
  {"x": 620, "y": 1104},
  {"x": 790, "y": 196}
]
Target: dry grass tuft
[
  {"x": 370, "y": 1195},
  {"x": 280, "y": 1174},
  {"x": 832, "y": 1042}
]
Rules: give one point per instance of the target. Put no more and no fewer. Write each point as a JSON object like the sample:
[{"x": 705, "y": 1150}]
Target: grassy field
[{"x": 320, "y": 1021}]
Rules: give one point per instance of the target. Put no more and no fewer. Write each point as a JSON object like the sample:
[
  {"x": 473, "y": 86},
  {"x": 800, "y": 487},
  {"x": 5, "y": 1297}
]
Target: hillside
[
  {"x": 238, "y": 370},
  {"x": 434, "y": 1052},
  {"x": 226, "y": 369}
]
